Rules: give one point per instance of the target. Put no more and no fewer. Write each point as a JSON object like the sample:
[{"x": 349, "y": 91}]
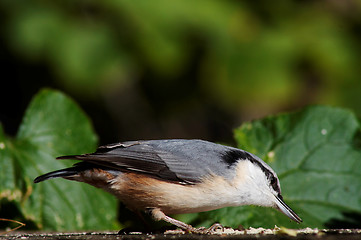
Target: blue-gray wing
[{"x": 185, "y": 161}]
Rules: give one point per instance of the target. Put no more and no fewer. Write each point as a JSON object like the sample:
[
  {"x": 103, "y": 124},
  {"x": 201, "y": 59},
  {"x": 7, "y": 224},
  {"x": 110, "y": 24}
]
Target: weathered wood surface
[{"x": 321, "y": 234}]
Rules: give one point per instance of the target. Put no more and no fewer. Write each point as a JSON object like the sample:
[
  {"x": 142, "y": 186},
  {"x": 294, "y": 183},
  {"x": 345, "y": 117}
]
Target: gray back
[{"x": 176, "y": 159}]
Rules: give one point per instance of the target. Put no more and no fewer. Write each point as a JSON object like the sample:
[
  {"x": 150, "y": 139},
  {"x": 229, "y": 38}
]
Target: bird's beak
[{"x": 285, "y": 209}]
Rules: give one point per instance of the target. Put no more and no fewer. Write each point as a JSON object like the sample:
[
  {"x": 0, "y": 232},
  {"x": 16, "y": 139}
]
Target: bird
[{"x": 176, "y": 176}]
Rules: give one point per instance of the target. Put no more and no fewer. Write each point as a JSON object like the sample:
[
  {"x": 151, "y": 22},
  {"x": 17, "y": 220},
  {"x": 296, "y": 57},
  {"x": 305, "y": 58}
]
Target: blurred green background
[{"x": 180, "y": 69}]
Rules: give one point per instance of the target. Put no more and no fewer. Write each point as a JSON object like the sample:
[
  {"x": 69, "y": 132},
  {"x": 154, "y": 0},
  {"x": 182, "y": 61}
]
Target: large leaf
[
  {"x": 317, "y": 156},
  {"x": 8, "y": 189},
  {"x": 53, "y": 125}
]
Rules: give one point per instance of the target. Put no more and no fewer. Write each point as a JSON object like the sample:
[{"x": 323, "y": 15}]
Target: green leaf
[
  {"x": 8, "y": 189},
  {"x": 53, "y": 125},
  {"x": 317, "y": 156}
]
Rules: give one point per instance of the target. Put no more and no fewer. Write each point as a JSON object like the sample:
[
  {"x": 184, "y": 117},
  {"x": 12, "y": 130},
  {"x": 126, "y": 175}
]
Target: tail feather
[{"x": 66, "y": 172}]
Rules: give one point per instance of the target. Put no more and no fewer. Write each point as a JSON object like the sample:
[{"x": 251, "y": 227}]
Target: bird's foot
[{"x": 210, "y": 230}]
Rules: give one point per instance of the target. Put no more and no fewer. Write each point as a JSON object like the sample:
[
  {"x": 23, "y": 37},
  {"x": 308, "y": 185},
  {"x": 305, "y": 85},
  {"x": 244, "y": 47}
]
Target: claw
[
  {"x": 214, "y": 227},
  {"x": 211, "y": 229}
]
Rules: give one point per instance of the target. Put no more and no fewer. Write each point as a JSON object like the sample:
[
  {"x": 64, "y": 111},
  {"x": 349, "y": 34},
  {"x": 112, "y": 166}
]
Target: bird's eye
[
  {"x": 273, "y": 180},
  {"x": 274, "y": 184}
]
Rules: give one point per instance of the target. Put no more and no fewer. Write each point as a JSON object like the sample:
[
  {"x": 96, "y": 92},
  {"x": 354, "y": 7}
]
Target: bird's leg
[{"x": 158, "y": 215}]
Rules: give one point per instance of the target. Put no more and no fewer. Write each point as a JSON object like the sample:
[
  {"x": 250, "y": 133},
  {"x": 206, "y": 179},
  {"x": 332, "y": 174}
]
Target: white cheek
[{"x": 252, "y": 185}]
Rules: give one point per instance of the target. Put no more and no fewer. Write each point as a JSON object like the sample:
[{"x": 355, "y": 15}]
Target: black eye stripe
[
  {"x": 274, "y": 184},
  {"x": 233, "y": 156}
]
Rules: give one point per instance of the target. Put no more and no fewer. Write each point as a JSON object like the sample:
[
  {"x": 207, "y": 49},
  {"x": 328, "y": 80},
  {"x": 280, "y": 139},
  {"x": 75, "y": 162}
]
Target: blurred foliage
[
  {"x": 256, "y": 57},
  {"x": 179, "y": 69},
  {"x": 53, "y": 125}
]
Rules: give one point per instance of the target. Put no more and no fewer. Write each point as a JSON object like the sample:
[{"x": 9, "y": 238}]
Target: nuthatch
[{"x": 177, "y": 176}]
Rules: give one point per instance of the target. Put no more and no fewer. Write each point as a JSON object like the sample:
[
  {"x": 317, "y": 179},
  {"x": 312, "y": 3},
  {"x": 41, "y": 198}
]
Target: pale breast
[{"x": 139, "y": 191}]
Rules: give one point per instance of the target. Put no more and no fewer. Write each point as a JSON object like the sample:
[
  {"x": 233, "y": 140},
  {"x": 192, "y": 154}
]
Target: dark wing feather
[
  {"x": 133, "y": 157},
  {"x": 187, "y": 161}
]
